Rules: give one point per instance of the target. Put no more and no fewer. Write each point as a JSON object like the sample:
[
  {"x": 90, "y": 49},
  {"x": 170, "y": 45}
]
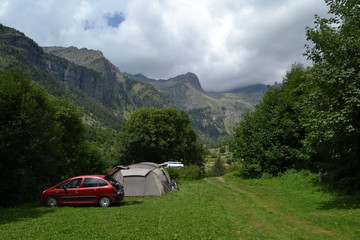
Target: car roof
[{"x": 84, "y": 176}]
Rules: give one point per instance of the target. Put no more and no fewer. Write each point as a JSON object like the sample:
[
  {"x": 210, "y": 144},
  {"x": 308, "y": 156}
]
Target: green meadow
[{"x": 289, "y": 207}]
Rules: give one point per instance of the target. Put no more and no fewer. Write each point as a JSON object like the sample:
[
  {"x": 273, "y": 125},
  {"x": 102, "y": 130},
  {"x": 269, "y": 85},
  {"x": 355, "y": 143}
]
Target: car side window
[
  {"x": 89, "y": 182},
  {"x": 75, "y": 183},
  {"x": 102, "y": 183}
]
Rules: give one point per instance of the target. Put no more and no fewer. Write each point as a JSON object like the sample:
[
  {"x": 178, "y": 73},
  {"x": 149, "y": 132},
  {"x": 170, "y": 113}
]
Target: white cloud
[{"x": 226, "y": 43}]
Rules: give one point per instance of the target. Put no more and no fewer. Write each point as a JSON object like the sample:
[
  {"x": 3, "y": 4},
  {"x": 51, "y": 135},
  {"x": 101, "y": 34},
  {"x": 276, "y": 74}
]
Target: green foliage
[
  {"x": 248, "y": 170},
  {"x": 187, "y": 173},
  {"x": 173, "y": 173},
  {"x": 159, "y": 135},
  {"x": 222, "y": 149},
  {"x": 268, "y": 139},
  {"x": 41, "y": 139},
  {"x": 332, "y": 106},
  {"x": 190, "y": 173},
  {"x": 30, "y": 141},
  {"x": 218, "y": 169},
  {"x": 311, "y": 121}
]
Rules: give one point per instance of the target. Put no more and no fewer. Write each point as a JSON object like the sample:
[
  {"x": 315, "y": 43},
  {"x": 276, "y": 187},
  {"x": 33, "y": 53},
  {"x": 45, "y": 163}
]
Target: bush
[
  {"x": 247, "y": 171},
  {"x": 173, "y": 173},
  {"x": 234, "y": 166},
  {"x": 218, "y": 169},
  {"x": 188, "y": 173}
]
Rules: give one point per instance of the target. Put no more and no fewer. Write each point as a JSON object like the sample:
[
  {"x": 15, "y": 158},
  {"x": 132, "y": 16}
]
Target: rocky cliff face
[
  {"x": 109, "y": 96},
  {"x": 213, "y": 114},
  {"x": 127, "y": 93},
  {"x": 86, "y": 77}
]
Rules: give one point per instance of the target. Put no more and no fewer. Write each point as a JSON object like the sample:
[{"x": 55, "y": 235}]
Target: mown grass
[{"x": 289, "y": 207}]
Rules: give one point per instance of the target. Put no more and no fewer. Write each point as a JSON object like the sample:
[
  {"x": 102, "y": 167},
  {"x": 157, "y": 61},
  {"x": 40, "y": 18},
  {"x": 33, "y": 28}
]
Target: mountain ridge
[
  {"x": 108, "y": 96},
  {"x": 213, "y": 114}
]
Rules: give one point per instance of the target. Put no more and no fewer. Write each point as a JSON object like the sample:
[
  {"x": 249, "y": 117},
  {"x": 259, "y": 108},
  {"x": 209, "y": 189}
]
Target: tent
[{"x": 145, "y": 178}]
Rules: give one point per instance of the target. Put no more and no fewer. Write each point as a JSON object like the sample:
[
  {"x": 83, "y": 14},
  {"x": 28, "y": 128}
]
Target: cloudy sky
[{"x": 226, "y": 43}]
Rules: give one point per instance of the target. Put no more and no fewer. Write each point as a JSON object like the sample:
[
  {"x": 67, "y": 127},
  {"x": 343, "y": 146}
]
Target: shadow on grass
[
  {"x": 127, "y": 203},
  {"x": 342, "y": 202},
  {"x": 341, "y": 199},
  {"x": 23, "y": 212}
]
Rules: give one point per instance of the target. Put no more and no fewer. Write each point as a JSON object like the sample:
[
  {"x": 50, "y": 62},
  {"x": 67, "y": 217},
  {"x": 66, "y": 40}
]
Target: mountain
[
  {"x": 213, "y": 114},
  {"x": 87, "y": 78},
  {"x": 129, "y": 94},
  {"x": 108, "y": 96},
  {"x": 255, "y": 88}
]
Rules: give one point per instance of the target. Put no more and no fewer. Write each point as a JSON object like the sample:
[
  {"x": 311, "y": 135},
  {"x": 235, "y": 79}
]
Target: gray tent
[{"x": 144, "y": 179}]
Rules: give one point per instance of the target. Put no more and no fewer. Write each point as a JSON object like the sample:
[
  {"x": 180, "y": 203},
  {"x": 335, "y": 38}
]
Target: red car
[{"x": 87, "y": 189}]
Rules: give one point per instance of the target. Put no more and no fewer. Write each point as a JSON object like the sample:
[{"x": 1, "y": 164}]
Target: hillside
[
  {"x": 106, "y": 96},
  {"x": 60, "y": 77},
  {"x": 130, "y": 94},
  {"x": 212, "y": 114}
]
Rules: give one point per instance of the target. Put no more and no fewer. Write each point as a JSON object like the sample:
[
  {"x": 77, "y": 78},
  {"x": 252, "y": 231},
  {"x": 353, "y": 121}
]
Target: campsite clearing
[{"x": 289, "y": 207}]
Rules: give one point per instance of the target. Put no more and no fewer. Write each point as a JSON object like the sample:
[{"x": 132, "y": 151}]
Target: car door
[
  {"x": 88, "y": 190},
  {"x": 70, "y": 193}
]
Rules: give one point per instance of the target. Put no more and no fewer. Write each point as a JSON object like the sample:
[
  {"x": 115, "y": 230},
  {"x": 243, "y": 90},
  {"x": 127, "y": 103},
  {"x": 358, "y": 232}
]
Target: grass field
[{"x": 289, "y": 207}]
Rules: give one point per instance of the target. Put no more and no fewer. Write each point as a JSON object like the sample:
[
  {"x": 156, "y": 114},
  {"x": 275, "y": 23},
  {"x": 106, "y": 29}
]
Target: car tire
[
  {"x": 51, "y": 202},
  {"x": 105, "y": 202}
]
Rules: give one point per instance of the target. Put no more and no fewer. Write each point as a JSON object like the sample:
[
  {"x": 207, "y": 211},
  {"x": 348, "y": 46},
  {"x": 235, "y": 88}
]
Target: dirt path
[{"x": 290, "y": 220}]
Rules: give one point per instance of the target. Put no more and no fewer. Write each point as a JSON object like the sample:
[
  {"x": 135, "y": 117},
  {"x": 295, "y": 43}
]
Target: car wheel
[
  {"x": 104, "y": 202},
  {"x": 51, "y": 202}
]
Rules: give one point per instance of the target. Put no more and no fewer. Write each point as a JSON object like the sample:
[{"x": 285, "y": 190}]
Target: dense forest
[{"x": 311, "y": 121}]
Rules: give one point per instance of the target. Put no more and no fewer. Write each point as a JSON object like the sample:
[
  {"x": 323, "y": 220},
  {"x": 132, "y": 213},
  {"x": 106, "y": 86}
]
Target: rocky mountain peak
[{"x": 190, "y": 78}]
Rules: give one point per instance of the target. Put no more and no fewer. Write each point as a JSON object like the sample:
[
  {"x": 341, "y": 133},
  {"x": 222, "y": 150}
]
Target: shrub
[
  {"x": 234, "y": 166},
  {"x": 249, "y": 171},
  {"x": 173, "y": 173},
  {"x": 187, "y": 173},
  {"x": 218, "y": 169},
  {"x": 191, "y": 173}
]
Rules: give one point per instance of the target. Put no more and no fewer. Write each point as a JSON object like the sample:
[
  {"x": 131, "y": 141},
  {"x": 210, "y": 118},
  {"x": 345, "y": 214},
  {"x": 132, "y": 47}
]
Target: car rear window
[
  {"x": 89, "y": 182},
  {"x": 102, "y": 183}
]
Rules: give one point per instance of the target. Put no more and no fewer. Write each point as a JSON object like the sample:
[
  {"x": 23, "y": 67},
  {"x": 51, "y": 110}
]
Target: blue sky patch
[{"x": 114, "y": 20}]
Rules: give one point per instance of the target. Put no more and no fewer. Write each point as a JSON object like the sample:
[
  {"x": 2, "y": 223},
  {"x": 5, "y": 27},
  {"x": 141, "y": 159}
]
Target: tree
[
  {"x": 159, "y": 135},
  {"x": 218, "y": 169},
  {"x": 332, "y": 108},
  {"x": 268, "y": 139},
  {"x": 41, "y": 139},
  {"x": 311, "y": 121}
]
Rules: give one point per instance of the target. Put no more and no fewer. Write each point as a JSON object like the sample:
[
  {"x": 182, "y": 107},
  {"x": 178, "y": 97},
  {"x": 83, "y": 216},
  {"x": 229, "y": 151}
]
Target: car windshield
[{"x": 61, "y": 185}]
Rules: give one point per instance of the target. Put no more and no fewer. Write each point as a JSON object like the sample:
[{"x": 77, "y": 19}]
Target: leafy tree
[
  {"x": 268, "y": 139},
  {"x": 218, "y": 169},
  {"x": 29, "y": 139},
  {"x": 159, "y": 135},
  {"x": 222, "y": 149},
  {"x": 41, "y": 139},
  {"x": 311, "y": 121},
  {"x": 331, "y": 109}
]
